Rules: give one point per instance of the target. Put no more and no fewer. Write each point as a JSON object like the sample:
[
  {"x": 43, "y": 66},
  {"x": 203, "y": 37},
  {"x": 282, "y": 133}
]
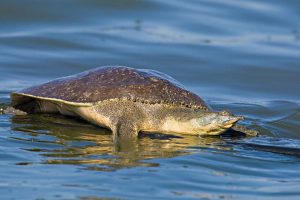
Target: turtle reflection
[{"x": 62, "y": 140}]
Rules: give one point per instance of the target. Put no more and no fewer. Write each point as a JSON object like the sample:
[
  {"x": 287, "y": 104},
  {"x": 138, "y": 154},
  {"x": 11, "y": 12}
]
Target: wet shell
[{"x": 113, "y": 82}]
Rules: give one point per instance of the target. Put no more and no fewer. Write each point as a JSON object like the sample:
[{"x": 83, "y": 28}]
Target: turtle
[{"x": 127, "y": 101}]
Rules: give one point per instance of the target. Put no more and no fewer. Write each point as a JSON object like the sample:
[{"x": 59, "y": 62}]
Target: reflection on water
[
  {"x": 77, "y": 142},
  {"x": 67, "y": 148},
  {"x": 63, "y": 140}
]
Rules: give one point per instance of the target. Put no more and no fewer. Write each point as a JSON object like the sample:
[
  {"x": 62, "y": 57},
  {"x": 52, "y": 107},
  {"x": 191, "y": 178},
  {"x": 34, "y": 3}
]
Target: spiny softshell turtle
[{"x": 127, "y": 101}]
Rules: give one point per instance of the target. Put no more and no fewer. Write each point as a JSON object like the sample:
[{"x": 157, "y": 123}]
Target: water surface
[{"x": 242, "y": 56}]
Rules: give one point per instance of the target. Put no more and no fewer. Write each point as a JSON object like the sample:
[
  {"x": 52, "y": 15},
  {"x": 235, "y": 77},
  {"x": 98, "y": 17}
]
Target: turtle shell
[{"x": 113, "y": 82}]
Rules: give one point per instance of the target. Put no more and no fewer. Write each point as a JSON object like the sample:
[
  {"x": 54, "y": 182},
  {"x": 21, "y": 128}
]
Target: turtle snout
[
  {"x": 229, "y": 121},
  {"x": 216, "y": 123}
]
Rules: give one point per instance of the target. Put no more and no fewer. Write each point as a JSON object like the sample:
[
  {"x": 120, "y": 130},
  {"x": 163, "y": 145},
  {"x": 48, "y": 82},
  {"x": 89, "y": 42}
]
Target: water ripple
[{"x": 240, "y": 56}]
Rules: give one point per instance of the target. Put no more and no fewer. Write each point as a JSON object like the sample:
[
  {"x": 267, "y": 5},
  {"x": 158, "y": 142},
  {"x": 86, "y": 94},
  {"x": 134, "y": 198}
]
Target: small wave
[{"x": 284, "y": 146}]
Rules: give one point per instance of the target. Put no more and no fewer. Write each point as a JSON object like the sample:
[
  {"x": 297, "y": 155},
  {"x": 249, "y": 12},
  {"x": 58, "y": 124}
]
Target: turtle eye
[{"x": 225, "y": 113}]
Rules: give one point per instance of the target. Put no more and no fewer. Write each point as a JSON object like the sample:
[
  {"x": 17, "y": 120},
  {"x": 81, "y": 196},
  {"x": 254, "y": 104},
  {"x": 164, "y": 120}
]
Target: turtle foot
[{"x": 8, "y": 110}]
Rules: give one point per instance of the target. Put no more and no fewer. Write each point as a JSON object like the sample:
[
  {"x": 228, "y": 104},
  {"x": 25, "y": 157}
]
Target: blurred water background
[{"x": 243, "y": 56}]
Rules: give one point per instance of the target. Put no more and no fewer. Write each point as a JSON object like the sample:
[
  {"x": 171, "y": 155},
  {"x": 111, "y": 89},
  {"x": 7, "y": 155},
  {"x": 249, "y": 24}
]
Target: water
[{"x": 238, "y": 55}]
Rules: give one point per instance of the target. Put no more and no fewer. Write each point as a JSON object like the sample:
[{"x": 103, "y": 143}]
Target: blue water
[{"x": 243, "y": 56}]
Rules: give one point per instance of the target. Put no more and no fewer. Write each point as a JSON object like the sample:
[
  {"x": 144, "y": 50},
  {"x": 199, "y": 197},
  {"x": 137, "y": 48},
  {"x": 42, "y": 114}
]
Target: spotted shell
[{"x": 113, "y": 82}]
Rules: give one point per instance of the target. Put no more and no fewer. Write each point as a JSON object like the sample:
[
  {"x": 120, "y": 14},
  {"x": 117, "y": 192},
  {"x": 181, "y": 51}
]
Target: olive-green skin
[{"x": 127, "y": 101}]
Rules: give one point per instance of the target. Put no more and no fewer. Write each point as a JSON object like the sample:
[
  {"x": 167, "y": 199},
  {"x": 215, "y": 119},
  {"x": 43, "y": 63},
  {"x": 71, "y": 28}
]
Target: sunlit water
[{"x": 243, "y": 56}]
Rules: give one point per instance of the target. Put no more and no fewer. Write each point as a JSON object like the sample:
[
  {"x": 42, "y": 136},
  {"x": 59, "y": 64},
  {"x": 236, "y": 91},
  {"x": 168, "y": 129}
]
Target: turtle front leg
[
  {"x": 124, "y": 136},
  {"x": 244, "y": 129},
  {"x": 125, "y": 130}
]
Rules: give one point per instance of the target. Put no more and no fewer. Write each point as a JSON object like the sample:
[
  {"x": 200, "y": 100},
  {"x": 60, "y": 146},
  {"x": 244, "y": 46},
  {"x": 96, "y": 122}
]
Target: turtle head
[
  {"x": 198, "y": 123},
  {"x": 214, "y": 123}
]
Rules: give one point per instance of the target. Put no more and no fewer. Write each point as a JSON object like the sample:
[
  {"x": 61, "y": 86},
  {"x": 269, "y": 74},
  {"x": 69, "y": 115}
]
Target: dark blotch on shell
[{"x": 113, "y": 82}]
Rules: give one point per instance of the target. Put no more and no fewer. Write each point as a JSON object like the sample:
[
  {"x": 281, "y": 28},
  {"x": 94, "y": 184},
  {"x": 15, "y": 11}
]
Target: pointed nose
[{"x": 230, "y": 121}]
